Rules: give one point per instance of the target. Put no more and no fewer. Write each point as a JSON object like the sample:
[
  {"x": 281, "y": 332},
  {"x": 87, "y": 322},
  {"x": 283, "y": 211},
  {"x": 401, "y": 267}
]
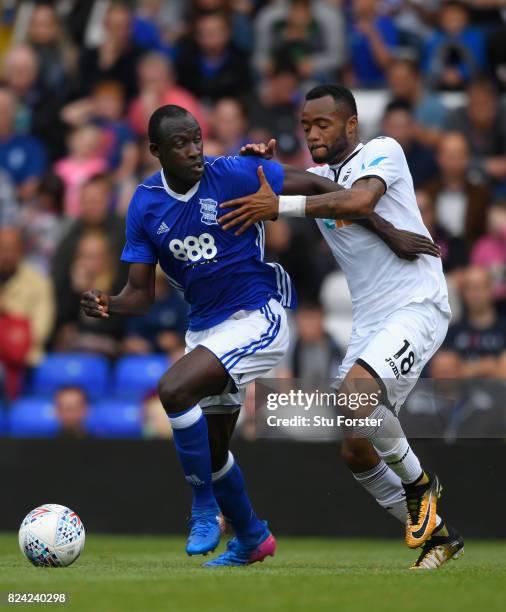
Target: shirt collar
[
  {"x": 182, "y": 197},
  {"x": 345, "y": 161}
]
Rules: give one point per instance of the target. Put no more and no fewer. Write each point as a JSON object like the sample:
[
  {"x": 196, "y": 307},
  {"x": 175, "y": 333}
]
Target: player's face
[
  {"x": 181, "y": 149},
  {"x": 327, "y": 129}
]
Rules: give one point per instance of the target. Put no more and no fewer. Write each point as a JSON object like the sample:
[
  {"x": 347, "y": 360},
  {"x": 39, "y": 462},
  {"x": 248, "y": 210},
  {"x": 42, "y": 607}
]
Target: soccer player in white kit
[{"x": 400, "y": 308}]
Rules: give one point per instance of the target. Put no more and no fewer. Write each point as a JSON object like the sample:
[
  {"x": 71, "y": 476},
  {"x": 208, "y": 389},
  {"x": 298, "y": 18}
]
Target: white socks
[
  {"x": 391, "y": 444},
  {"x": 386, "y": 488},
  {"x": 399, "y": 457}
]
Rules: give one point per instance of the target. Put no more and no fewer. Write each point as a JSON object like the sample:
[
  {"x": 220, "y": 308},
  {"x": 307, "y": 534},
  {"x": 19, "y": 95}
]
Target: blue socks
[
  {"x": 192, "y": 445},
  {"x": 230, "y": 491},
  {"x": 225, "y": 487}
]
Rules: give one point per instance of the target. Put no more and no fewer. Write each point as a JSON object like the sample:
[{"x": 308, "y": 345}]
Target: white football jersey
[{"x": 379, "y": 281}]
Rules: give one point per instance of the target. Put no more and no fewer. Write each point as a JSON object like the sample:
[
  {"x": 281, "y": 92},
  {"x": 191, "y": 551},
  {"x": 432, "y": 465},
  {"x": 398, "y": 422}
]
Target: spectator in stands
[
  {"x": 148, "y": 25},
  {"x": 208, "y": 63},
  {"x": 56, "y": 59},
  {"x": 405, "y": 83},
  {"x": 372, "y": 39},
  {"x": 116, "y": 56},
  {"x": 489, "y": 252},
  {"x": 497, "y": 57},
  {"x": 148, "y": 165},
  {"x": 483, "y": 123},
  {"x": 279, "y": 241},
  {"x": 155, "y": 421},
  {"x": 454, "y": 252},
  {"x": 22, "y": 157},
  {"x": 309, "y": 34},
  {"x": 241, "y": 14},
  {"x": 158, "y": 25},
  {"x": 105, "y": 108},
  {"x": 230, "y": 125},
  {"x": 460, "y": 203},
  {"x": 316, "y": 356},
  {"x": 37, "y": 111},
  {"x": 414, "y": 20},
  {"x": 25, "y": 293},
  {"x": 43, "y": 223},
  {"x": 456, "y": 52},
  {"x": 93, "y": 263},
  {"x": 157, "y": 86},
  {"x": 15, "y": 341},
  {"x": 399, "y": 123},
  {"x": 71, "y": 408},
  {"x": 9, "y": 208},
  {"x": 274, "y": 113},
  {"x": 83, "y": 161},
  {"x": 479, "y": 340},
  {"x": 96, "y": 198},
  {"x": 163, "y": 328}
]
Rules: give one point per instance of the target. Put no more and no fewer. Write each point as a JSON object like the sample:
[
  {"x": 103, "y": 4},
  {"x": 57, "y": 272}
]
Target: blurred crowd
[{"x": 79, "y": 80}]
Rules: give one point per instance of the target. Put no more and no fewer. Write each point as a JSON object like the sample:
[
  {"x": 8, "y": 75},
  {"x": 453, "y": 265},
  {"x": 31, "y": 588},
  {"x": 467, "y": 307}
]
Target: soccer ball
[{"x": 51, "y": 536}]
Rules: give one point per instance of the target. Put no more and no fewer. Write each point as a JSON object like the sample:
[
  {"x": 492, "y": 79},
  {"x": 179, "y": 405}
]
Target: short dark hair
[
  {"x": 412, "y": 65},
  {"x": 169, "y": 111},
  {"x": 341, "y": 95},
  {"x": 398, "y": 105},
  {"x": 65, "y": 388}
]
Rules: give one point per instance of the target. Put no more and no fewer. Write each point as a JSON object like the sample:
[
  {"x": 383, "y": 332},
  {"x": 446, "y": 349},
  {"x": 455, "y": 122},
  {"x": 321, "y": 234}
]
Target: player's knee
[
  {"x": 174, "y": 394},
  {"x": 359, "y": 454}
]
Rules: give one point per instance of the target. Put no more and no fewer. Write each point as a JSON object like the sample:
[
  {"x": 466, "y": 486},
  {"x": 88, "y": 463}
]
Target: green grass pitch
[{"x": 148, "y": 574}]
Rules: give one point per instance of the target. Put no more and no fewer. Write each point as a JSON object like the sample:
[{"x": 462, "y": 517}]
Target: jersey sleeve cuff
[{"x": 377, "y": 176}]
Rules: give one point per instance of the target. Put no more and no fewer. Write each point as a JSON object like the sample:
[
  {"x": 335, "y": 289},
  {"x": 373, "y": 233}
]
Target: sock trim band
[
  {"x": 373, "y": 474},
  {"x": 186, "y": 419},
  {"x": 400, "y": 460},
  {"x": 225, "y": 469}
]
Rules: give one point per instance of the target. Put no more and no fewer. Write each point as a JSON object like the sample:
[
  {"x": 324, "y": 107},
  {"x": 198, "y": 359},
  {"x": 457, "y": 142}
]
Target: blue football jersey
[{"x": 218, "y": 272}]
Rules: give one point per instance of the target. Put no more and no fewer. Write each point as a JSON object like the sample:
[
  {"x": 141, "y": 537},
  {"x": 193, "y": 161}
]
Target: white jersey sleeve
[
  {"x": 380, "y": 283},
  {"x": 383, "y": 158}
]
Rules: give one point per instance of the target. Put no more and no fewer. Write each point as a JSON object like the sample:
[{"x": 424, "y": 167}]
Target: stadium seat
[
  {"x": 135, "y": 376},
  {"x": 115, "y": 419},
  {"x": 89, "y": 372},
  {"x": 3, "y": 420},
  {"x": 32, "y": 417}
]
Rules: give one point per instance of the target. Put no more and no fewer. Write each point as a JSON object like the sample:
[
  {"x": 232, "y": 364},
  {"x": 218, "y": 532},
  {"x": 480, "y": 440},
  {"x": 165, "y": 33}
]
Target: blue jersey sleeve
[
  {"x": 138, "y": 247},
  {"x": 241, "y": 178}
]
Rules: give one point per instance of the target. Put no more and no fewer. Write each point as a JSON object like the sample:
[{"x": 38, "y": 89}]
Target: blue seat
[
  {"x": 3, "y": 420},
  {"x": 115, "y": 419},
  {"x": 137, "y": 375},
  {"x": 32, "y": 417},
  {"x": 89, "y": 372}
]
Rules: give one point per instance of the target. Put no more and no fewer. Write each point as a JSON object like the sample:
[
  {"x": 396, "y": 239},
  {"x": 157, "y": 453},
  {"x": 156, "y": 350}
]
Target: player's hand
[
  {"x": 252, "y": 208},
  {"x": 95, "y": 304},
  {"x": 409, "y": 245},
  {"x": 260, "y": 149}
]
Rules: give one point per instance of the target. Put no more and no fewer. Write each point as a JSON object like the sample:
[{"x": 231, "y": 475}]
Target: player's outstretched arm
[
  {"x": 405, "y": 244},
  {"x": 265, "y": 204},
  {"x": 135, "y": 298}
]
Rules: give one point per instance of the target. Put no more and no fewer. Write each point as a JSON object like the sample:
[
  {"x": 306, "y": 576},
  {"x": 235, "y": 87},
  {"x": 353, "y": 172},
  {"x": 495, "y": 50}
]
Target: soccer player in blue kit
[{"x": 238, "y": 329}]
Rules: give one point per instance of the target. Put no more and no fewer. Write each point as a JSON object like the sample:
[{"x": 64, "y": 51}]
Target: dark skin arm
[
  {"x": 134, "y": 300},
  {"x": 332, "y": 202}
]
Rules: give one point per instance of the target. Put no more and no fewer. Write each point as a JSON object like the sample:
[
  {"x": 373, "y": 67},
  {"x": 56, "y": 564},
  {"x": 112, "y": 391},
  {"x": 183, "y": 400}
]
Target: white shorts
[
  {"x": 397, "y": 350},
  {"x": 249, "y": 344}
]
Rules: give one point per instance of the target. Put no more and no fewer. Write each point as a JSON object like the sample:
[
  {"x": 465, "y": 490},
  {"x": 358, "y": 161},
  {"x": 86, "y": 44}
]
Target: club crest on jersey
[{"x": 208, "y": 211}]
